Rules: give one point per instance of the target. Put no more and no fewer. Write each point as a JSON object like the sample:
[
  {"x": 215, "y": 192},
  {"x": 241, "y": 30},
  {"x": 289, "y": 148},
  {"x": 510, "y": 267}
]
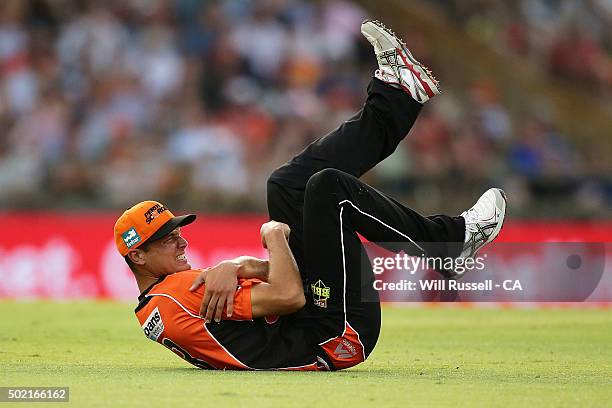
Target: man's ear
[{"x": 137, "y": 256}]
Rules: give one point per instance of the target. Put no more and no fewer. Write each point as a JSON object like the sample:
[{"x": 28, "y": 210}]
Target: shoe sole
[
  {"x": 422, "y": 73},
  {"x": 500, "y": 225},
  {"x": 494, "y": 235}
]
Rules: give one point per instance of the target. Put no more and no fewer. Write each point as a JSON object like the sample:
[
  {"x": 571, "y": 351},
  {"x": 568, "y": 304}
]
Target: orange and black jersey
[{"x": 169, "y": 314}]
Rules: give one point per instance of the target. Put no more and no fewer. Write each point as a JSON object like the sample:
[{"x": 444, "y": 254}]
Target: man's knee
[
  {"x": 285, "y": 203},
  {"x": 273, "y": 189},
  {"x": 327, "y": 182},
  {"x": 277, "y": 183}
]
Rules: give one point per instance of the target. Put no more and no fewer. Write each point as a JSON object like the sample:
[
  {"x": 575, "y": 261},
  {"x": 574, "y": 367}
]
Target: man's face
[{"x": 167, "y": 255}]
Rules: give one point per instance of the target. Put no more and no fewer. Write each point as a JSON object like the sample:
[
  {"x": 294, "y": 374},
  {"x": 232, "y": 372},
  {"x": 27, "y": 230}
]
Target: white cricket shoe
[
  {"x": 396, "y": 64},
  {"x": 482, "y": 223}
]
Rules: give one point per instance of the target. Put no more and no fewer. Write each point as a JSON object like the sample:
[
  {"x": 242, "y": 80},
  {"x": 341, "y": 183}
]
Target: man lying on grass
[{"x": 312, "y": 305}]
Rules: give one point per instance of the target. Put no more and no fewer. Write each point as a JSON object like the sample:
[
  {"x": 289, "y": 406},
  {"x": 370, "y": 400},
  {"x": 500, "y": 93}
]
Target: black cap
[{"x": 171, "y": 225}]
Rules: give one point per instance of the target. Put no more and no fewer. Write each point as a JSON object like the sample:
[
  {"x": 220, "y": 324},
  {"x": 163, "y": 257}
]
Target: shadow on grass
[{"x": 355, "y": 372}]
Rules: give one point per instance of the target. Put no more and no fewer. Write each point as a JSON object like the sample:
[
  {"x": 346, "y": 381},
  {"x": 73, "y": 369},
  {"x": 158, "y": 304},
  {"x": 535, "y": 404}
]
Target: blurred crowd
[
  {"x": 194, "y": 103},
  {"x": 571, "y": 39},
  {"x": 570, "y": 42}
]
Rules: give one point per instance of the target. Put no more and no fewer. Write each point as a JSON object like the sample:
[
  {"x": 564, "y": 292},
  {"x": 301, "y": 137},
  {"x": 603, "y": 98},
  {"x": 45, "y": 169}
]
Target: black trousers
[{"x": 318, "y": 194}]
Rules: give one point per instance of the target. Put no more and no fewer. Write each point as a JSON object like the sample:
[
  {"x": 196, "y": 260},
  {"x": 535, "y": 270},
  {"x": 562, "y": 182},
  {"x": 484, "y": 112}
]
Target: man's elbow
[
  {"x": 292, "y": 302},
  {"x": 300, "y": 301}
]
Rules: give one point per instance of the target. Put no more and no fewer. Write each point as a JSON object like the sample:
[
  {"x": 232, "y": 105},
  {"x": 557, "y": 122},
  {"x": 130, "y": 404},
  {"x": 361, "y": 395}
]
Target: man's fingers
[
  {"x": 197, "y": 282},
  {"x": 212, "y": 306},
  {"x": 205, "y": 302},
  {"x": 230, "y": 305},
  {"x": 219, "y": 310}
]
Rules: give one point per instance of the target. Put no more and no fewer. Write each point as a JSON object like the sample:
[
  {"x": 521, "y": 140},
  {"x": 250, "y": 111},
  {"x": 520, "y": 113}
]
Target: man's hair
[{"x": 145, "y": 247}]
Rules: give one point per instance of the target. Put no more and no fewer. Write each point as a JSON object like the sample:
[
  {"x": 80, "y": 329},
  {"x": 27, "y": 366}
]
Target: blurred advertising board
[{"x": 73, "y": 256}]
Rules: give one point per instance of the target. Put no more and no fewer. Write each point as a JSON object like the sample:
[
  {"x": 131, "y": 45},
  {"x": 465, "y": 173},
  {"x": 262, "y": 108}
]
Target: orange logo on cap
[
  {"x": 153, "y": 212},
  {"x": 139, "y": 223}
]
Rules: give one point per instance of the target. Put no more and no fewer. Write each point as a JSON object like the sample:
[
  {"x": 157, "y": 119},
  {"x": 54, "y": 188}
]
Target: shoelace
[{"x": 472, "y": 216}]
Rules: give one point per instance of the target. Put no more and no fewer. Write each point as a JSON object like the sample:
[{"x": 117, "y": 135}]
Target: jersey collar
[{"x": 143, "y": 299}]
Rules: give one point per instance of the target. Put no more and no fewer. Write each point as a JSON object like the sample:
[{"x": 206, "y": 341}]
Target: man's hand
[
  {"x": 271, "y": 226},
  {"x": 221, "y": 283}
]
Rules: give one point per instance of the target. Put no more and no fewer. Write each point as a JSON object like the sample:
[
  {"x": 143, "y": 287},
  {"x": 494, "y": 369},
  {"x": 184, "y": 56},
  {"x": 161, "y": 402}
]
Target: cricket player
[{"x": 312, "y": 305}]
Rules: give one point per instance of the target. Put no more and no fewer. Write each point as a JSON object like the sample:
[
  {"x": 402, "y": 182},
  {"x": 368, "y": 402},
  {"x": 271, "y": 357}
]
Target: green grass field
[{"x": 425, "y": 357}]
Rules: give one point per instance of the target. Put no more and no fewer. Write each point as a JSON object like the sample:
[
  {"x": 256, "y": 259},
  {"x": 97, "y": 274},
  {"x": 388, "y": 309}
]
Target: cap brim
[{"x": 171, "y": 225}]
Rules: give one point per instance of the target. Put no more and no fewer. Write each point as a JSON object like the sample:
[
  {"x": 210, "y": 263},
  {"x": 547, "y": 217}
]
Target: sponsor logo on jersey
[
  {"x": 130, "y": 237},
  {"x": 153, "y": 212},
  {"x": 153, "y": 326},
  {"x": 320, "y": 293}
]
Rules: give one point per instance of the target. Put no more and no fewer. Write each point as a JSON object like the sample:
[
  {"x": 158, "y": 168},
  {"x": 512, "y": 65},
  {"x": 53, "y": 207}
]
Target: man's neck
[{"x": 144, "y": 282}]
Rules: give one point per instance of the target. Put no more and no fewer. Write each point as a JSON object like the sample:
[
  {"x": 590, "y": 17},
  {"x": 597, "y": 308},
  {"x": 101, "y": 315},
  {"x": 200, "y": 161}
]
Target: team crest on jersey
[
  {"x": 153, "y": 326},
  {"x": 345, "y": 349},
  {"x": 130, "y": 237},
  {"x": 320, "y": 293}
]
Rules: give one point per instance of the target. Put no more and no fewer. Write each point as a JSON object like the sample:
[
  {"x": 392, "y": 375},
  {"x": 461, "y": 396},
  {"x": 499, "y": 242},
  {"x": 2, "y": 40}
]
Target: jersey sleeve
[{"x": 242, "y": 300}]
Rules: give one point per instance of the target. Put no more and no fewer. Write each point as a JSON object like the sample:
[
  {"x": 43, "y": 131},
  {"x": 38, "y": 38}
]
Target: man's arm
[
  {"x": 283, "y": 292},
  {"x": 280, "y": 293},
  {"x": 250, "y": 267},
  {"x": 221, "y": 282}
]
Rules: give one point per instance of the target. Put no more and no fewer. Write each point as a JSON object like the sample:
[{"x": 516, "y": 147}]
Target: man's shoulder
[
  {"x": 182, "y": 275},
  {"x": 177, "y": 282},
  {"x": 174, "y": 290}
]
